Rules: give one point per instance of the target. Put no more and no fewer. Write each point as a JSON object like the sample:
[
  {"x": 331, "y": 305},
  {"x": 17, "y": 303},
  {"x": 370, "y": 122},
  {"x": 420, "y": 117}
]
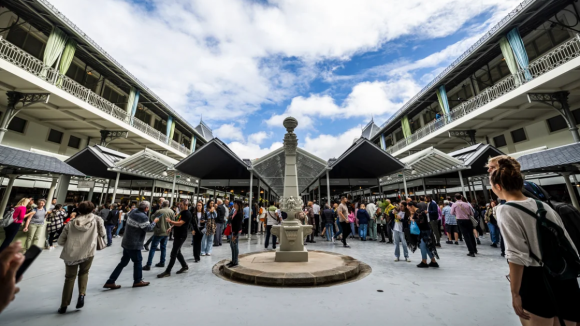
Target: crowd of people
[{"x": 522, "y": 227}]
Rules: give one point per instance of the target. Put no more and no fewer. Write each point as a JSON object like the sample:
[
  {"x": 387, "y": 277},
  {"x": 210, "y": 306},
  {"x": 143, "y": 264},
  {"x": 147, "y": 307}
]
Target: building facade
[{"x": 517, "y": 89}]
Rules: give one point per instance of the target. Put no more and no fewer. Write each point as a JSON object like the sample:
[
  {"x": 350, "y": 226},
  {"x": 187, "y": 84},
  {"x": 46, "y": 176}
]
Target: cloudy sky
[{"x": 246, "y": 65}]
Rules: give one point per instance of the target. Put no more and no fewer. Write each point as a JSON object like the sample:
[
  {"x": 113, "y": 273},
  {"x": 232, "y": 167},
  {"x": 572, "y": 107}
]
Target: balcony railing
[
  {"x": 555, "y": 58},
  {"x": 31, "y": 64}
]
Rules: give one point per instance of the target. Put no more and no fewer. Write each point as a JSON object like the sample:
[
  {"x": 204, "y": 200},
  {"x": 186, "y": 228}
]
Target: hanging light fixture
[
  {"x": 413, "y": 172},
  {"x": 188, "y": 179},
  {"x": 164, "y": 173}
]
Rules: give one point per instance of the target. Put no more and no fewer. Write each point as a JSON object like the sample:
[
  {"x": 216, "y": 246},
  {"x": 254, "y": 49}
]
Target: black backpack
[
  {"x": 560, "y": 260},
  {"x": 571, "y": 218}
]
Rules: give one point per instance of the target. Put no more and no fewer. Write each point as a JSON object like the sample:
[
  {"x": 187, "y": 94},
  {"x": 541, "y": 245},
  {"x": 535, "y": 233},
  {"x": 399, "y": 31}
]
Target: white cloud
[
  {"x": 225, "y": 58},
  {"x": 379, "y": 99},
  {"x": 259, "y": 137},
  {"x": 329, "y": 146},
  {"x": 229, "y": 132},
  {"x": 252, "y": 150}
]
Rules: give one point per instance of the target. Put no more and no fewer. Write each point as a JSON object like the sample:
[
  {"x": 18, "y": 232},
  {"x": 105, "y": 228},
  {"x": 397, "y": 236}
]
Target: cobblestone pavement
[{"x": 463, "y": 291}]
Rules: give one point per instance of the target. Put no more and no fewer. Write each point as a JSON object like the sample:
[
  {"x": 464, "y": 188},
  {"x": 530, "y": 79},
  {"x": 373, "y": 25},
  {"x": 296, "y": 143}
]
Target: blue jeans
[
  {"x": 274, "y": 238},
  {"x": 400, "y": 237},
  {"x": 235, "y": 249},
  {"x": 206, "y": 244},
  {"x": 352, "y": 229},
  {"x": 119, "y": 227},
  {"x": 362, "y": 231},
  {"x": 329, "y": 231},
  {"x": 425, "y": 251},
  {"x": 339, "y": 229},
  {"x": 493, "y": 233},
  {"x": 109, "y": 229},
  {"x": 154, "y": 242},
  {"x": 129, "y": 255}
]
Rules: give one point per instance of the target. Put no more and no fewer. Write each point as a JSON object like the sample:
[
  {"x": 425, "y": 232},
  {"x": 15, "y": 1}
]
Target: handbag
[
  {"x": 101, "y": 244},
  {"x": 8, "y": 218},
  {"x": 471, "y": 217},
  {"x": 228, "y": 230},
  {"x": 415, "y": 228}
]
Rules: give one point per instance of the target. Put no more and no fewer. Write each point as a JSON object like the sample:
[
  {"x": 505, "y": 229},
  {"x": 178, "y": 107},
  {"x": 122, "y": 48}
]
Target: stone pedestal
[{"x": 291, "y": 235}]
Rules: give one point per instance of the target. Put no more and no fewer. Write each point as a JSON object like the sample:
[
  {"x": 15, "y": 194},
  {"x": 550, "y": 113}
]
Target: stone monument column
[{"x": 291, "y": 232}]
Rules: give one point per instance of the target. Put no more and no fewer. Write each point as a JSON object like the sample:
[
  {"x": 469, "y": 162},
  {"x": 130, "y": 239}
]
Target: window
[
  {"x": 499, "y": 141},
  {"x": 459, "y": 97},
  {"x": 160, "y": 126},
  {"x": 399, "y": 135},
  {"x": 25, "y": 40},
  {"x": 142, "y": 115},
  {"x": 55, "y": 136},
  {"x": 74, "y": 142},
  {"x": 557, "y": 123},
  {"x": 17, "y": 124},
  {"x": 519, "y": 135},
  {"x": 176, "y": 136},
  {"x": 114, "y": 97},
  {"x": 546, "y": 41}
]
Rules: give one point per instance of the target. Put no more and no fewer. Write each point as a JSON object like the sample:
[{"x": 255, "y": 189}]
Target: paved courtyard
[{"x": 464, "y": 291}]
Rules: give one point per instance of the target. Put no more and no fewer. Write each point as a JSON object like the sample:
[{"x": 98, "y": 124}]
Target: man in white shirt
[
  {"x": 372, "y": 209},
  {"x": 316, "y": 210}
]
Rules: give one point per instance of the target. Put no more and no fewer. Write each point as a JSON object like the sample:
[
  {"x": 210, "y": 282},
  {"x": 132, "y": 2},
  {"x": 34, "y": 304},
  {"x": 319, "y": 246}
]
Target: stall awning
[
  {"x": 361, "y": 165},
  {"x": 216, "y": 161},
  {"x": 428, "y": 162},
  {"x": 152, "y": 165},
  {"x": 96, "y": 161},
  {"x": 271, "y": 168},
  {"x": 19, "y": 161},
  {"x": 558, "y": 159},
  {"x": 476, "y": 157}
]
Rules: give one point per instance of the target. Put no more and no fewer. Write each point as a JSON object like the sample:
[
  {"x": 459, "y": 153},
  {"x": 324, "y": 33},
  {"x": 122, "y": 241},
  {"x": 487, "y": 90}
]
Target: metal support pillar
[
  {"x": 50, "y": 193},
  {"x": 173, "y": 190},
  {"x": 4, "y": 202},
  {"x": 405, "y": 186},
  {"x": 63, "y": 183},
  {"x": 91, "y": 191},
  {"x": 462, "y": 186},
  {"x": 327, "y": 188},
  {"x": 115, "y": 188},
  {"x": 251, "y": 194},
  {"x": 573, "y": 197}
]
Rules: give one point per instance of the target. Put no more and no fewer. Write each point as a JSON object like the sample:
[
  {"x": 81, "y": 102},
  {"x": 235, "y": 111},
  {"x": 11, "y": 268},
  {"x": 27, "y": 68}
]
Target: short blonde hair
[{"x": 23, "y": 202}]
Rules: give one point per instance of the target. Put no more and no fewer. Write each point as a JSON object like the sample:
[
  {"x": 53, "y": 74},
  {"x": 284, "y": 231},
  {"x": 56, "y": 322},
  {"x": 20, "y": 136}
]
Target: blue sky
[{"x": 246, "y": 65}]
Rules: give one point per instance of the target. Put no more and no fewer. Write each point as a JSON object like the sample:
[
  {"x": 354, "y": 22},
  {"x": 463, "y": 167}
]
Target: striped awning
[
  {"x": 426, "y": 163},
  {"x": 152, "y": 165}
]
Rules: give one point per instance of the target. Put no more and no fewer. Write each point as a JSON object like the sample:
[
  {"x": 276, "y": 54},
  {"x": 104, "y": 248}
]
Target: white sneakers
[
  {"x": 407, "y": 260},
  {"x": 397, "y": 259}
]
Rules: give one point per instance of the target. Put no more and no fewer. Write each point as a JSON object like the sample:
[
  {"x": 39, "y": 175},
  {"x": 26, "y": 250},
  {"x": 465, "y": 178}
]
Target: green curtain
[
  {"x": 172, "y": 131},
  {"x": 510, "y": 59},
  {"x": 67, "y": 57},
  {"x": 406, "y": 127},
  {"x": 131, "y": 100},
  {"x": 54, "y": 46}
]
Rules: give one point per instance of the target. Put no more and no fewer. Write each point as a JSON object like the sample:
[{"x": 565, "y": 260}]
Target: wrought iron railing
[
  {"x": 31, "y": 64},
  {"x": 499, "y": 26},
  {"x": 547, "y": 62}
]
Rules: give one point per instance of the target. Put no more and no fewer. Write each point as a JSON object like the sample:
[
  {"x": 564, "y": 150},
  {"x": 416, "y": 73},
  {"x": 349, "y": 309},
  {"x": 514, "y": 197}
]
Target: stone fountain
[{"x": 291, "y": 232}]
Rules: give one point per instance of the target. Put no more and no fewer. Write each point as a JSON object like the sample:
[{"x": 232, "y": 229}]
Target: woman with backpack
[
  {"x": 11, "y": 228},
  {"x": 539, "y": 296}
]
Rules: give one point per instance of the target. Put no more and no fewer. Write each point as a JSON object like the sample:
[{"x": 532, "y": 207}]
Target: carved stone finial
[{"x": 290, "y": 124}]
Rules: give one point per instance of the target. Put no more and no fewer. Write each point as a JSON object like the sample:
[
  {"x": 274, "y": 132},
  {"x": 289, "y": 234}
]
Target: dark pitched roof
[
  {"x": 19, "y": 161},
  {"x": 476, "y": 156},
  {"x": 557, "y": 159},
  {"x": 204, "y": 130},
  {"x": 96, "y": 161},
  {"x": 370, "y": 130}
]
